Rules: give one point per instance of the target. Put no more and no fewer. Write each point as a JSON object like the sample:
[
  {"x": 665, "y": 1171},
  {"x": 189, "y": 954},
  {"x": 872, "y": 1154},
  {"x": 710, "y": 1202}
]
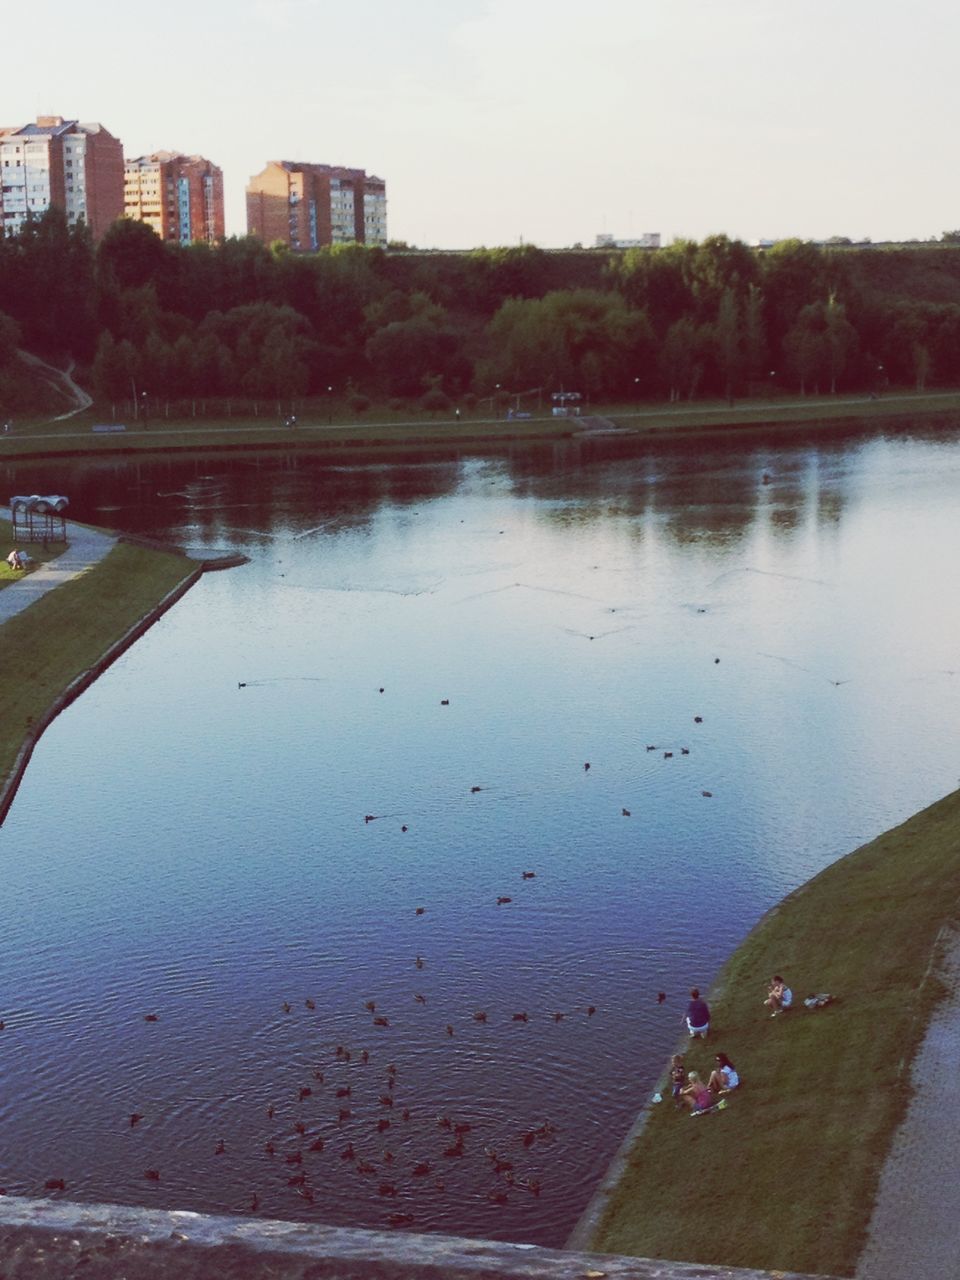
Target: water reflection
[{"x": 192, "y": 848}]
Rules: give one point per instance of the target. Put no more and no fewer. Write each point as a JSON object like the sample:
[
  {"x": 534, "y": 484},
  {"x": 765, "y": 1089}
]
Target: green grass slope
[{"x": 786, "y": 1176}]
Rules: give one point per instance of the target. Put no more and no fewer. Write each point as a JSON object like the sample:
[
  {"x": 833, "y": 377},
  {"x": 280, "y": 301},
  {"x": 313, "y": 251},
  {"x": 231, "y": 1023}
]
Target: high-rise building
[
  {"x": 307, "y": 206},
  {"x": 181, "y": 197},
  {"x": 56, "y": 162}
]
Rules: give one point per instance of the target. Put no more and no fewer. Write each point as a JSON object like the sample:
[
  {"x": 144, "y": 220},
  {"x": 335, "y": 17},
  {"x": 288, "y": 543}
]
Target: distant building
[
  {"x": 180, "y": 196},
  {"x": 649, "y": 240},
  {"x": 56, "y": 162},
  {"x": 307, "y": 206}
]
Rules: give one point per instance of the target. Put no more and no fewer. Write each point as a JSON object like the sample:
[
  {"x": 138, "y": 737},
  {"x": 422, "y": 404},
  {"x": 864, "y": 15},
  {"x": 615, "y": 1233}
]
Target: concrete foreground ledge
[{"x": 53, "y": 1240}]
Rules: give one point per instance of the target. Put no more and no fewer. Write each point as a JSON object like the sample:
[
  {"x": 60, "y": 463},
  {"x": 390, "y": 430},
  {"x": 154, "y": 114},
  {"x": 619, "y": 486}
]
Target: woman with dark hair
[{"x": 724, "y": 1077}]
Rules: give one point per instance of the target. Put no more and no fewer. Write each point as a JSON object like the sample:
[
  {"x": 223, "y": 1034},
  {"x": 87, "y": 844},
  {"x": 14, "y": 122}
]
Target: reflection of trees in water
[
  {"x": 260, "y": 494},
  {"x": 701, "y": 490},
  {"x": 706, "y": 492}
]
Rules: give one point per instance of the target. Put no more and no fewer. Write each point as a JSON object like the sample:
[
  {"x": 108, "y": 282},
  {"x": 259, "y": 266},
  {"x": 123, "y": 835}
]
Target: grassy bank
[
  {"x": 396, "y": 428},
  {"x": 786, "y": 1176},
  {"x": 68, "y": 631}
]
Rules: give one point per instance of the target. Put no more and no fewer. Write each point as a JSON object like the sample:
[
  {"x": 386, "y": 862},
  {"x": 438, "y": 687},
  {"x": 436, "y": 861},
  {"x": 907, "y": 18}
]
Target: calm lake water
[{"x": 443, "y": 645}]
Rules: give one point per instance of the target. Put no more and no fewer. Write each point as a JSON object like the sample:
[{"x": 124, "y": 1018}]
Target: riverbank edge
[
  {"x": 930, "y": 996},
  {"x": 85, "y": 679},
  {"x": 804, "y": 421}
]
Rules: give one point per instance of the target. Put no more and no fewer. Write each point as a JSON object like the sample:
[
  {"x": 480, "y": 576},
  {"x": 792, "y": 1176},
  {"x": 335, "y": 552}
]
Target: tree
[
  {"x": 405, "y": 353},
  {"x": 9, "y": 338},
  {"x": 729, "y": 342},
  {"x": 805, "y": 349},
  {"x": 130, "y": 255},
  {"x": 681, "y": 362},
  {"x": 841, "y": 341}
]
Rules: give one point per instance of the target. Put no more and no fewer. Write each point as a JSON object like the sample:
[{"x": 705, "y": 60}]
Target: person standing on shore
[{"x": 697, "y": 1016}]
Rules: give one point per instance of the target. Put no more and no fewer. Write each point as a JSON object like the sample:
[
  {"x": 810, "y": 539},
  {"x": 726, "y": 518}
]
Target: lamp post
[{"x": 329, "y": 406}]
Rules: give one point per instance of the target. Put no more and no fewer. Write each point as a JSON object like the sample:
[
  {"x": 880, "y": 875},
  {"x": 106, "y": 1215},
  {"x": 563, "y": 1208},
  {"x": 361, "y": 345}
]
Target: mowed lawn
[
  {"x": 68, "y": 630},
  {"x": 786, "y": 1176}
]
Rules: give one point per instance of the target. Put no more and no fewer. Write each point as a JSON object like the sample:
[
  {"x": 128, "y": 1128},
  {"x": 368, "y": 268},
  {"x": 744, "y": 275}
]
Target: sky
[{"x": 499, "y": 122}]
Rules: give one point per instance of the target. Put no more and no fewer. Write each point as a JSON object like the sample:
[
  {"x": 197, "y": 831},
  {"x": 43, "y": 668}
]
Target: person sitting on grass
[
  {"x": 695, "y": 1094},
  {"x": 779, "y": 996},
  {"x": 724, "y": 1077},
  {"x": 678, "y": 1078},
  {"x": 698, "y": 1016},
  {"x": 14, "y": 559}
]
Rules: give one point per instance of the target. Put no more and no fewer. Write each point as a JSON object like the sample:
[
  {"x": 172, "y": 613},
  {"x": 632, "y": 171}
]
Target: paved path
[
  {"x": 87, "y": 547},
  {"x": 915, "y": 1228}
]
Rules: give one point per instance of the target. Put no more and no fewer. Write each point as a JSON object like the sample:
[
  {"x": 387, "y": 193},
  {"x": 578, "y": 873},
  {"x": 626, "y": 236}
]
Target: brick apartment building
[
  {"x": 180, "y": 196},
  {"x": 308, "y": 206},
  {"x": 56, "y": 162}
]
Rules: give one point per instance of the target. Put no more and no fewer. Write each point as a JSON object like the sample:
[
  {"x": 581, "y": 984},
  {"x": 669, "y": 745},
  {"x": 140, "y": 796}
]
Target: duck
[
  {"x": 221, "y": 1148},
  {"x": 55, "y": 1184},
  {"x": 625, "y": 813},
  {"x": 380, "y": 1021},
  {"x": 316, "y": 1145},
  {"x": 520, "y": 1017},
  {"x": 150, "y": 1017},
  {"x": 135, "y": 1119},
  {"x": 152, "y": 1175},
  {"x": 503, "y": 901},
  {"x": 480, "y": 1015},
  {"x": 311, "y": 1004},
  {"x": 528, "y": 875},
  {"x": 305, "y": 1092}
]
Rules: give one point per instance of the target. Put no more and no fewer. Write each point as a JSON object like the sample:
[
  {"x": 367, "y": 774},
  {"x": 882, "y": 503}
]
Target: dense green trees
[{"x": 245, "y": 319}]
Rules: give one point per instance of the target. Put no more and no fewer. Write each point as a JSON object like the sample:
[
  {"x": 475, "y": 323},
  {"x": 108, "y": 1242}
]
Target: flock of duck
[{"x": 352, "y": 1117}]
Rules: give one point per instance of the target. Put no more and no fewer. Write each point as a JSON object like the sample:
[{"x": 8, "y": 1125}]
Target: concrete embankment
[
  {"x": 53, "y": 1240},
  {"x": 19, "y": 596}
]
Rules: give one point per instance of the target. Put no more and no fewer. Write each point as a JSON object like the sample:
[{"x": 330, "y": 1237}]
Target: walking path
[
  {"x": 913, "y": 1231},
  {"x": 86, "y": 548}
]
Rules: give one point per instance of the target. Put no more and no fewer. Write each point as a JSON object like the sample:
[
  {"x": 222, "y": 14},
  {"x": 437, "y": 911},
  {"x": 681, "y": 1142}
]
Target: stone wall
[{"x": 55, "y": 1239}]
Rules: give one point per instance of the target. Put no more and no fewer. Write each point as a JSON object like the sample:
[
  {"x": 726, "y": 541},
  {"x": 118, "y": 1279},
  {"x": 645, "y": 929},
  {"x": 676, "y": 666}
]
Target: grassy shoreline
[
  {"x": 57, "y": 646},
  {"x": 814, "y": 414},
  {"x": 786, "y": 1177}
]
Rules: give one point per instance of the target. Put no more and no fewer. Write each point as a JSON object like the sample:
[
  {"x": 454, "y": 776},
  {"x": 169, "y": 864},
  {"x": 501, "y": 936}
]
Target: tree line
[{"x": 714, "y": 318}]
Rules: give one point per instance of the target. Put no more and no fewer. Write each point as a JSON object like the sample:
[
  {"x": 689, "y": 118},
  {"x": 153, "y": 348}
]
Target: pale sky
[{"x": 546, "y": 121}]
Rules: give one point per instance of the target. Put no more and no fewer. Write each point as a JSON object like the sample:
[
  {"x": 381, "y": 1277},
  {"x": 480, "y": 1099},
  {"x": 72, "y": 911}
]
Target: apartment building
[
  {"x": 307, "y": 206},
  {"x": 56, "y": 162},
  {"x": 180, "y": 196}
]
